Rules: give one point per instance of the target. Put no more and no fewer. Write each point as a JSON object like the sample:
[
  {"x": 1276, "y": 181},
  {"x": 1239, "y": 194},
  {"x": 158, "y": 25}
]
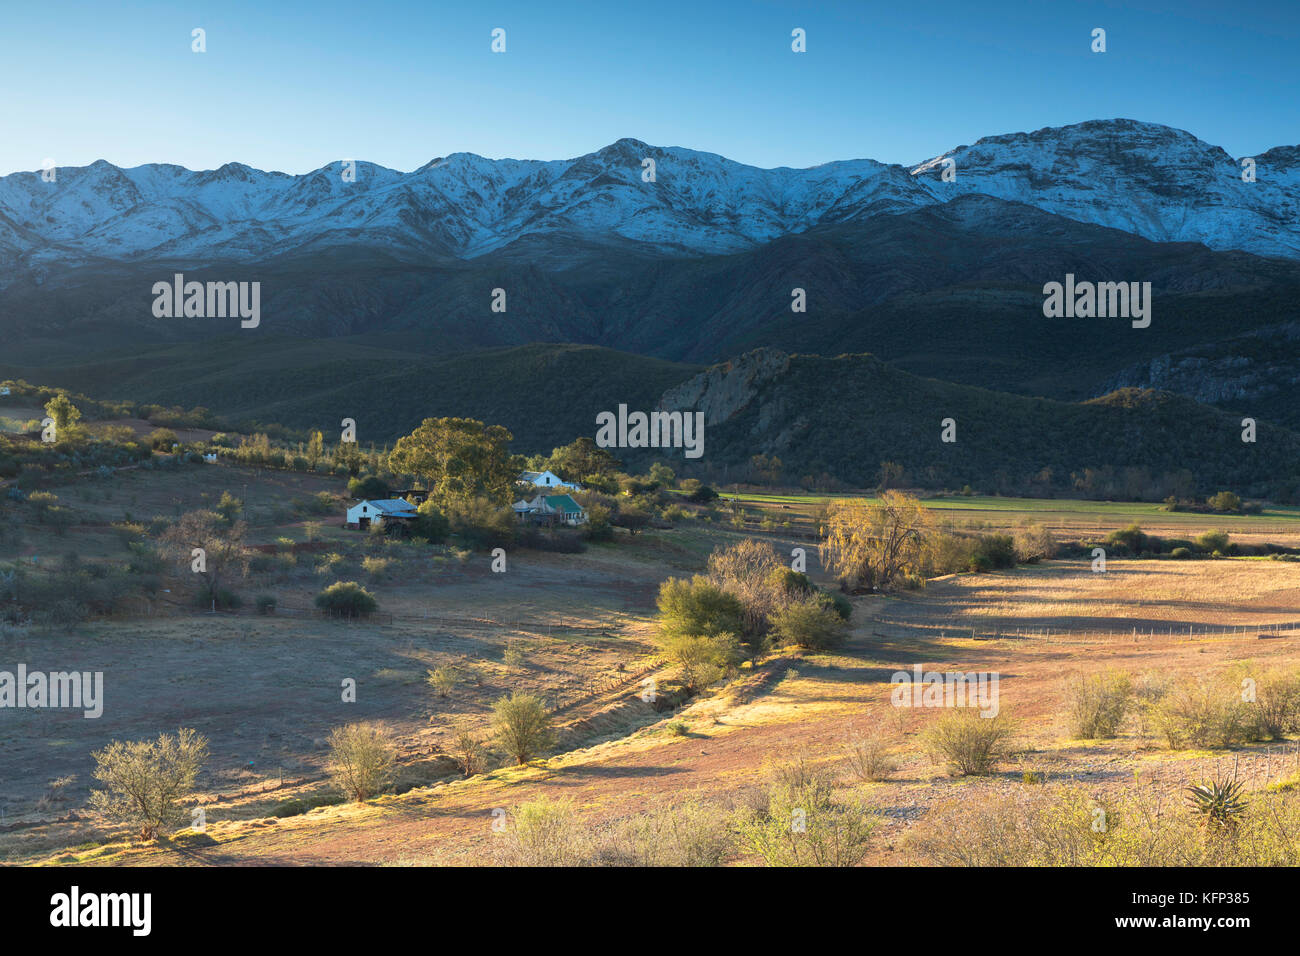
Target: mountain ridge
[{"x": 1154, "y": 181}]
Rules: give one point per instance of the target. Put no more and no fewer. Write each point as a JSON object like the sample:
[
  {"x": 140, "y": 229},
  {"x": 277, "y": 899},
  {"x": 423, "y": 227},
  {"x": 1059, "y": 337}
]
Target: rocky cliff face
[
  {"x": 724, "y": 390},
  {"x": 1264, "y": 365}
]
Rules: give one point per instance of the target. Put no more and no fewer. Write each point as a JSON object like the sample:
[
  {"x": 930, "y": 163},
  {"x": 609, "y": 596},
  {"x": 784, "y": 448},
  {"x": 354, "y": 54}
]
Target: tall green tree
[
  {"x": 64, "y": 413},
  {"x": 459, "y": 459},
  {"x": 582, "y": 458},
  {"x": 315, "y": 449}
]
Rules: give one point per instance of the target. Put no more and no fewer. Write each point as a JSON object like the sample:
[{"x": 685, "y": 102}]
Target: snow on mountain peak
[{"x": 1155, "y": 181}]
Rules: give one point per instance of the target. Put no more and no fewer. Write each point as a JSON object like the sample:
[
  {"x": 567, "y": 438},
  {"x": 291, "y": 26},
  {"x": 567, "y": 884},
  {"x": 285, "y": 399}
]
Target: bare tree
[
  {"x": 221, "y": 545},
  {"x": 745, "y": 570}
]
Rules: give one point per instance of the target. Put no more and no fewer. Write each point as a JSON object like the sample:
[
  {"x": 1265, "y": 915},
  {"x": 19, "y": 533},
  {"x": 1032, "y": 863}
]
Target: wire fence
[
  {"x": 543, "y": 626},
  {"x": 1075, "y": 633}
]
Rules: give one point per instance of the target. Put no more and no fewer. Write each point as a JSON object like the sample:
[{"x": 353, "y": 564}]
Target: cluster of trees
[
  {"x": 76, "y": 446},
  {"x": 746, "y": 602},
  {"x": 177, "y": 417},
  {"x": 895, "y": 541},
  {"x": 1135, "y": 542},
  {"x": 1224, "y": 502},
  {"x": 342, "y": 458}
]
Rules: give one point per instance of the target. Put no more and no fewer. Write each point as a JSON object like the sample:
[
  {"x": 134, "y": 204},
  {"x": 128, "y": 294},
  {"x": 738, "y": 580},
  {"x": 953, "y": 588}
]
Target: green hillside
[
  {"x": 845, "y": 416},
  {"x": 545, "y": 394}
]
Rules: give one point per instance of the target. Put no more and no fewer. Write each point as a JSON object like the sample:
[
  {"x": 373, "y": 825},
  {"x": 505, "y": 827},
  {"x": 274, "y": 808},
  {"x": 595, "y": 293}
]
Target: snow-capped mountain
[
  {"x": 1154, "y": 181},
  {"x": 1150, "y": 180}
]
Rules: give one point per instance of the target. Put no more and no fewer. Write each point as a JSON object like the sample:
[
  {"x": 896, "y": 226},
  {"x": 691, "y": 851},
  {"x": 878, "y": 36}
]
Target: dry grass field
[{"x": 578, "y": 629}]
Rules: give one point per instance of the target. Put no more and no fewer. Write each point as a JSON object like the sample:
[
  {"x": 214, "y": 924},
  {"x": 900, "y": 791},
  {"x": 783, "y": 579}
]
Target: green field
[{"x": 1063, "y": 512}]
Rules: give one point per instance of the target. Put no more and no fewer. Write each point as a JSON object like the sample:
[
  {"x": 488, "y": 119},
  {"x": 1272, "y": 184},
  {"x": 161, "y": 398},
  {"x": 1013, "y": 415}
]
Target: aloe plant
[{"x": 1220, "y": 802}]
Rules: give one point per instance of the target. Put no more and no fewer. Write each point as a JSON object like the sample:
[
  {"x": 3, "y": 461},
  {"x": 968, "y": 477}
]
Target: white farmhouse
[
  {"x": 547, "y": 479},
  {"x": 363, "y": 513}
]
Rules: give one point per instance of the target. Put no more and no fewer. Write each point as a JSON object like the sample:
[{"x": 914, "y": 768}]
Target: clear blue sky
[{"x": 293, "y": 85}]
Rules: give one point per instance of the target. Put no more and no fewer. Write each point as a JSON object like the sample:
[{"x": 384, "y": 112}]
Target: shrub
[
  {"x": 329, "y": 563},
  {"x": 543, "y": 832},
  {"x": 222, "y": 599},
  {"x": 946, "y": 554},
  {"x": 843, "y": 606},
  {"x": 790, "y": 584},
  {"x": 811, "y": 623},
  {"x": 346, "y": 599},
  {"x": 688, "y": 834},
  {"x": 993, "y": 551},
  {"x": 146, "y": 781},
  {"x": 431, "y": 524},
  {"x": 265, "y": 603},
  {"x": 704, "y": 659},
  {"x": 554, "y": 540},
  {"x": 1221, "y": 803},
  {"x": 229, "y": 507},
  {"x": 632, "y": 518},
  {"x": 1131, "y": 540},
  {"x": 443, "y": 680},
  {"x": 801, "y": 824},
  {"x": 869, "y": 757},
  {"x": 968, "y": 743},
  {"x": 1033, "y": 543},
  {"x": 293, "y": 808},
  {"x": 161, "y": 439},
  {"x": 362, "y": 757},
  {"x": 1201, "y": 712},
  {"x": 376, "y": 567},
  {"x": 1098, "y": 703},
  {"x": 598, "y": 526},
  {"x": 42, "y": 503},
  {"x": 467, "y": 750},
  {"x": 698, "y": 607},
  {"x": 1038, "y": 826},
  {"x": 1224, "y": 501},
  {"x": 522, "y": 726},
  {"x": 370, "y": 487},
  {"x": 1214, "y": 541},
  {"x": 1056, "y": 826},
  {"x": 321, "y": 503},
  {"x": 1277, "y": 704},
  {"x": 1180, "y": 553},
  {"x": 144, "y": 559},
  {"x": 481, "y": 523}
]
